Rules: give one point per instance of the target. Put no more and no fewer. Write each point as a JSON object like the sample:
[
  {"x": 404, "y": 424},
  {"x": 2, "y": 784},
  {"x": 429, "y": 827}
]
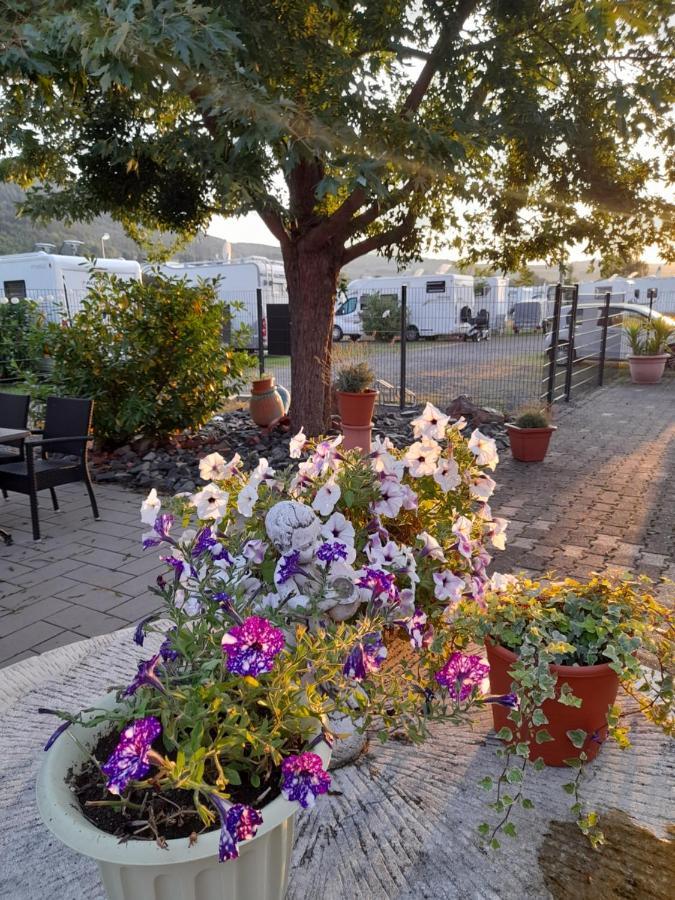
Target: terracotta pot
[
  {"x": 268, "y": 402},
  {"x": 529, "y": 444},
  {"x": 357, "y": 437},
  {"x": 597, "y": 686},
  {"x": 356, "y": 409},
  {"x": 647, "y": 369}
]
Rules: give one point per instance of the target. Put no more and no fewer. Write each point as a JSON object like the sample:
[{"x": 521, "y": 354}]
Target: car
[{"x": 589, "y": 329}]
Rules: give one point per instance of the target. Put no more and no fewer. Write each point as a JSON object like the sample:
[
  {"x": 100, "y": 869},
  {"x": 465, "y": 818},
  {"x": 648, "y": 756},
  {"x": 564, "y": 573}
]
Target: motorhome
[
  {"x": 436, "y": 304},
  {"x": 657, "y": 291},
  {"x": 492, "y": 295},
  {"x": 59, "y": 282},
  {"x": 237, "y": 282}
]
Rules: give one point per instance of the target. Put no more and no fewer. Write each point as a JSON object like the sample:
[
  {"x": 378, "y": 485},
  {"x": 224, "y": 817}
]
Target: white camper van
[
  {"x": 436, "y": 304},
  {"x": 657, "y": 291},
  {"x": 491, "y": 295},
  {"x": 57, "y": 281},
  {"x": 238, "y": 282}
]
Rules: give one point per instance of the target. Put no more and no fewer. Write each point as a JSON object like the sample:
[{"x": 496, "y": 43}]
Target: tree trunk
[{"x": 312, "y": 278}]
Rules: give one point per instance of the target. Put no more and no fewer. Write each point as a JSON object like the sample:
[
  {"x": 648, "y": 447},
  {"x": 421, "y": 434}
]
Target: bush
[
  {"x": 150, "y": 355},
  {"x": 381, "y": 317},
  {"x": 22, "y": 336}
]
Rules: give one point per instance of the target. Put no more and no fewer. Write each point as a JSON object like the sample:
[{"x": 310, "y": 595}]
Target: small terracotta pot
[
  {"x": 529, "y": 444},
  {"x": 647, "y": 369},
  {"x": 267, "y": 403},
  {"x": 356, "y": 409},
  {"x": 357, "y": 437},
  {"x": 597, "y": 686}
]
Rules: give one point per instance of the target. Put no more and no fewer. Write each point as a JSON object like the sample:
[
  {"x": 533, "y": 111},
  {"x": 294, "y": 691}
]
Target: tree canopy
[{"x": 524, "y": 125}]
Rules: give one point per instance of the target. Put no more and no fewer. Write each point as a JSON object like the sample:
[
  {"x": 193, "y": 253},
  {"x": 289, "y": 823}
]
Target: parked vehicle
[
  {"x": 657, "y": 291},
  {"x": 479, "y": 327},
  {"x": 530, "y": 315},
  {"x": 434, "y": 304},
  {"x": 237, "y": 283},
  {"x": 491, "y": 296},
  {"x": 60, "y": 280},
  {"x": 589, "y": 328}
]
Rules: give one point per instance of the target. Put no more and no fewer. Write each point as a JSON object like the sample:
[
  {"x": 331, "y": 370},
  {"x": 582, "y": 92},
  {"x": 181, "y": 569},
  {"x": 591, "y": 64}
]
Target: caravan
[
  {"x": 237, "y": 282},
  {"x": 59, "y": 282},
  {"x": 436, "y": 304}
]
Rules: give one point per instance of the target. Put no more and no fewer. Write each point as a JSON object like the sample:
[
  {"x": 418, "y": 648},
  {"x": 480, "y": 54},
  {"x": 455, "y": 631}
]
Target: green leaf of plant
[
  {"x": 577, "y": 737},
  {"x": 543, "y": 737}
]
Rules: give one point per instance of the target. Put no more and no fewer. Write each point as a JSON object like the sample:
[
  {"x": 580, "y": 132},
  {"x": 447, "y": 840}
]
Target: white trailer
[
  {"x": 655, "y": 290},
  {"x": 58, "y": 282},
  {"x": 436, "y": 304},
  {"x": 237, "y": 284},
  {"x": 491, "y": 294}
]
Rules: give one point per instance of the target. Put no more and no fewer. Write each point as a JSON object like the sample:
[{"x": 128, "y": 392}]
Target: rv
[
  {"x": 652, "y": 290},
  {"x": 436, "y": 304},
  {"x": 57, "y": 281},
  {"x": 492, "y": 295},
  {"x": 237, "y": 284}
]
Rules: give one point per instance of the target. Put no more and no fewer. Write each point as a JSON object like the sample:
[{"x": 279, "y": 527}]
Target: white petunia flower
[
  {"x": 247, "y": 499},
  {"x": 421, "y": 457},
  {"x": 337, "y": 528},
  {"x": 501, "y": 582},
  {"x": 431, "y": 547},
  {"x": 296, "y": 444},
  {"x": 385, "y": 555},
  {"x": 263, "y": 471},
  {"x": 484, "y": 449},
  {"x": 150, "y": 508},
  {"x": 482, "y": 487},
  {"x": 431, "y": 424},
  {"x": 212, "y": 467},
  {"x": 254, "y": 551},
  {"x": 211, "y": 502},
  {"x": 447, "y": 474},
  {"x": 497, "y": 533},
  {"x": 326, "y": 497},
  {"x": 391, "y": 499},
  {"x": 448, "y": 586}
]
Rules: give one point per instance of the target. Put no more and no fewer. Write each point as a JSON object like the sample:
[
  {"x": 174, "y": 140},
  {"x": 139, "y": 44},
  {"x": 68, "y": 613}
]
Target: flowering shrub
[{"x": 280, "y": 590}]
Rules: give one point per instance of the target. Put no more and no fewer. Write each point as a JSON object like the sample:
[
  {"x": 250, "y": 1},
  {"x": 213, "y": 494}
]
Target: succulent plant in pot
[
  {"x": 561, "y": 650},
  {"x": 355, "y": 394},
  {"x": 530, "y": 435},
  {"x": 649, "y": 347}
]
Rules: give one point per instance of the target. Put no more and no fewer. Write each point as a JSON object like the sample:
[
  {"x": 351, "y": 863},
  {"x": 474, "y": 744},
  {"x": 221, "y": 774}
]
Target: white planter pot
[{"x": 140, "y": 870}]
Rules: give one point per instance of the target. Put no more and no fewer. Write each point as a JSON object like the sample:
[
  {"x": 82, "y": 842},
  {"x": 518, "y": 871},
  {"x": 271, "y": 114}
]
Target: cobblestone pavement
[{"x": 604, "y": 498}]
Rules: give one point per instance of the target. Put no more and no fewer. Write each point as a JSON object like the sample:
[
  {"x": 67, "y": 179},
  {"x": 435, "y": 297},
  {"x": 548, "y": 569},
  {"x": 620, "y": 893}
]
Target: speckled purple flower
[
  {"x": 237, "y": 823},
  {"x": 331, "y": 551},
  {"x": 145, "y": 676},
  {"x": 461, "y": 674},
  {"x": 289, "y": 567},
  {"x": 129, "y": 761},
  {"x": 365, "y": 657},
  {"x": 380, "y": 584},
  {"x": 304, "y": 778},
  {"x": 160, "y": 532},
  {"x": 252, "y": 646},
  {"x": 204, "y": 541},
  {"x": 419, "y": 633}
]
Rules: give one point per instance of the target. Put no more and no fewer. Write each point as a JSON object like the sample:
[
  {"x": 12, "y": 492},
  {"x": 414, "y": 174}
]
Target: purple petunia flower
[
  {"x": 145, "y": 676},
  {"x": 365, "y": 657},
  {"x": 204, "y": 541},
  {"x": 167, "y": 651},
  {"x": 129, "y": 761},
  {"x": 511, "y": 701},
  {"x": 161, "y": 528},
  {"x": 139, "y": 633},
  {"x": 420, "y": 635},
  {"x": 252, "y": 646},
  {"x": 57, "y": 734},
  {"x": 304, "y": 778},
  {"x": 380, "y": 584},
  {"x": 289, "y": 567},
  {"x": 237, "y": 823},
  {"x": 461, "y": 674},
  {"x": 332, "y": 551}
]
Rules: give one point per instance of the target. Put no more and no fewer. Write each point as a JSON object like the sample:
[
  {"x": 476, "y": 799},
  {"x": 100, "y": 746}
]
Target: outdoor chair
[
  {"x": 66, "y": 432},
  {"x": 13, "y": 414}
]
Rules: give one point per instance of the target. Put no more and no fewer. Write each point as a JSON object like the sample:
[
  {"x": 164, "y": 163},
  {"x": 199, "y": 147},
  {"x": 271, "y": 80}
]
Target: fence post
[
  {"x": 571, "y": 334},
  {"x": 603, "y": 339},
  {"x": 554, "y": 345},
  {"x": 261, "y": 336},
  {"x": 404, "y": 320}
]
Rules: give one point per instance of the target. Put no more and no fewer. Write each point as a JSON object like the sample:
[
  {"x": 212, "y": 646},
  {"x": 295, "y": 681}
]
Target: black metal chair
[
  {"x": 66, "y": 431},
  {"x": 13, "y": 414}
]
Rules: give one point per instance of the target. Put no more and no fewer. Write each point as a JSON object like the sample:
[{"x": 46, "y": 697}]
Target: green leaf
[
  {"x": 484, "y": 829},
  {"x": 543, "y": 737},
  {"x": 577, "y": 737},
  {"x": 570, "y": 787},
  {"x": 510, "y": 829},
  {"x": 494, "y": 844},
  {"x": 527, "y": 803},
  {"x": 487, "y": 783},
  {"x": 505, "y": 734},
  {"x": 514, "y": 776},
  {"x": 539, "y": 717}
]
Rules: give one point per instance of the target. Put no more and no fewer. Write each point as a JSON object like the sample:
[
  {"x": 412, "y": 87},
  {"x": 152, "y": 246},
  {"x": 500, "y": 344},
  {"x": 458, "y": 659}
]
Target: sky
[{"x": 250, "y": 229}]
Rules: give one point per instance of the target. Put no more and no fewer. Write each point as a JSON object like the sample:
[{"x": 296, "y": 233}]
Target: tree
[
  {"x": 625, "y": 267},
  {"x": 349, "y": 128},
  {"x": 381, "y": 316}
]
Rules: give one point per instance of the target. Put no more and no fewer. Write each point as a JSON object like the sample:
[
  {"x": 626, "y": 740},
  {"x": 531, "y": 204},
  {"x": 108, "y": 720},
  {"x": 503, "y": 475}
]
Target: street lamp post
[{"x": 104, "y": 237}]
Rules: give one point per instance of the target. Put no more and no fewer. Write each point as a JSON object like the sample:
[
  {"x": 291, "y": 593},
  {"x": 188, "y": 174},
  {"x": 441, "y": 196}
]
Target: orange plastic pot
[
  {"x": 357, "y": 437},
  {"x": 596, "y": 686},
  {"x": 647, "y": 369},
  {"x": 529, "y": 444},
  {"x": 356, "y": 409}
]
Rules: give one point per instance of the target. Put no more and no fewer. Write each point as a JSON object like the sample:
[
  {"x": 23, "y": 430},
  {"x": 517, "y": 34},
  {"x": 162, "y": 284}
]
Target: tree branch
[
  {"x": 274, "y": 222},
  {"x": 380, "y": 206},
  {"x": 378, "y": 241}
]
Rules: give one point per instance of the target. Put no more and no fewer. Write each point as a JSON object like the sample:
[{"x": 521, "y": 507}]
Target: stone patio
[{"x": 603, "y": 499}]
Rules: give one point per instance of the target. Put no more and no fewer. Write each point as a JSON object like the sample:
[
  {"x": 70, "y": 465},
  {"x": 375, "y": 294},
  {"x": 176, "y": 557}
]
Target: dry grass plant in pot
[
  {"x": 355, "y": 394},
  {"x": 530, "y": 435}
]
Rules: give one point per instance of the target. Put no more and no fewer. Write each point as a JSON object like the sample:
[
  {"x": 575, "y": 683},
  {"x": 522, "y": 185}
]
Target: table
[
  {"x": 9, "y": 436},
  {"x": 399, "y": 824}
]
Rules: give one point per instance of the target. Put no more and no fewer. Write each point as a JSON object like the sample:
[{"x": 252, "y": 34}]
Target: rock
[{"x": 476, "y": 415}]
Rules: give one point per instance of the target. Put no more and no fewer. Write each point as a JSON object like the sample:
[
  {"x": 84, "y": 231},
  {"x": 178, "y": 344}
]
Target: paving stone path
[{"x": 603, "y": 499}]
